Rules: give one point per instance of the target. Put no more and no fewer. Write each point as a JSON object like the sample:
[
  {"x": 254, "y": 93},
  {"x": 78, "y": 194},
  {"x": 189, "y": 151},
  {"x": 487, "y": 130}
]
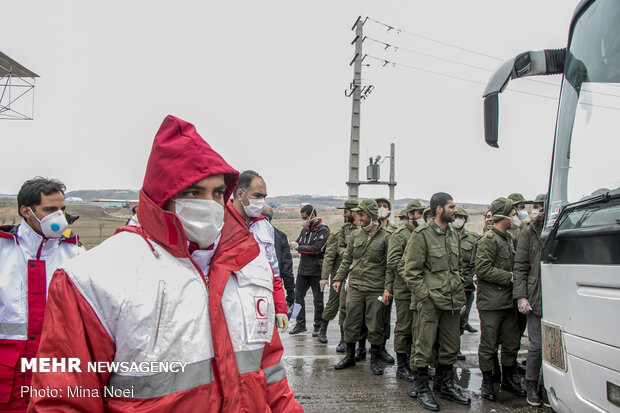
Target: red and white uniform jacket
[
  {"x": 27, "y": 262},
  {"x": 140, "y": 298},
  {"x": 263, "y": 234}
]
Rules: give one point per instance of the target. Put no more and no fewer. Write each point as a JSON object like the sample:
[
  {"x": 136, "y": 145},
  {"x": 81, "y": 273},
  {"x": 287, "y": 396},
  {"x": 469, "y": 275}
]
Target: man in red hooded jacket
[{"x": 182, "y": 303}]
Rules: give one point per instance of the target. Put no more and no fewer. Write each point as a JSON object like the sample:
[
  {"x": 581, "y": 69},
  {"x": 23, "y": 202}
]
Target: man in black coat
[
  {"x": 285, "y": 260},
  {"x": 311, "y": 247}
]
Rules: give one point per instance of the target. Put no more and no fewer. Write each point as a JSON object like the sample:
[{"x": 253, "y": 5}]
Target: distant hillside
[
  {"x": 319, "y": 201},
  {"x": 92, "y": 194}
]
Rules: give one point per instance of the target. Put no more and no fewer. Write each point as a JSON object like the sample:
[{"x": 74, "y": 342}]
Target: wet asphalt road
[{"x": 321, "y": 388}]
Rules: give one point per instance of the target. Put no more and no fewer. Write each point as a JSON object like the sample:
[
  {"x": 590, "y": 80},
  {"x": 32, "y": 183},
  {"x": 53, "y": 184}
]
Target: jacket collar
[
  {"x": 500, "y": 233},
  {"x": 160, "y": 226},
  {"x": 31, "y": 242}
]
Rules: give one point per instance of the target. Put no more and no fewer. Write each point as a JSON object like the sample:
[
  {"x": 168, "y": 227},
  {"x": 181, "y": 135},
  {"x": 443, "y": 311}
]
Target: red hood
[{"x": 179, "y": 158}]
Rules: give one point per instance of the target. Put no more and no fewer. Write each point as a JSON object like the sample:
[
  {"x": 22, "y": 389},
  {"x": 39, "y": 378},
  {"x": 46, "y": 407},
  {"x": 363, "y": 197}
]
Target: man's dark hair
[
  {"x": 245, "y": 180},
  {"x": 30, "y": 193},
  {"x": 134, "y": 209},
  {"x": 308, "y": 210},
  {"x": 440, "y": 199}
]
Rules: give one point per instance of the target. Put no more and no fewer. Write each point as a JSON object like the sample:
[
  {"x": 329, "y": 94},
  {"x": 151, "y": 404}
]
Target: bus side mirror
[
  {"x": 542, "y": 62},
  {"x": 491, "y": 119}
]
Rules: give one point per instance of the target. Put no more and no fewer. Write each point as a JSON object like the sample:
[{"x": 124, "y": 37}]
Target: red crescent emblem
[{"x": 258, "y": 307}]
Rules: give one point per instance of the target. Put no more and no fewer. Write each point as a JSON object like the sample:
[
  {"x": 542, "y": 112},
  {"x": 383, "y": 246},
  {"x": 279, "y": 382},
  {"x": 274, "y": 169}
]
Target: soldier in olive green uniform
[
  {"x": 365, "y": 264},
  {"x": 385, "y": 210},
  {"x": 498, "y": 319},
  {"x": 395, "y": 287},
  {"x": 468, "y": 239},
  {"x": 519, "y": 203},
  {"x": 432, "y": 272},
  {"x": 331, "y": 261}
]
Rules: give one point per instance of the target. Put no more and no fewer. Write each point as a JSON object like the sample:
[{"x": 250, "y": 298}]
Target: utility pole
[
  {"x": 356, "y": 92},
  {"x": 392, "y": 183}
]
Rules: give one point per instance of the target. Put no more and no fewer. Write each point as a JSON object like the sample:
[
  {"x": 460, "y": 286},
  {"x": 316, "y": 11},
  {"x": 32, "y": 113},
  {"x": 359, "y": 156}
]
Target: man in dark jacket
[
  {"x": 311, "y": 246},
  {"x": 285, "y": 260},
  {"x": 526, "y": 290}
]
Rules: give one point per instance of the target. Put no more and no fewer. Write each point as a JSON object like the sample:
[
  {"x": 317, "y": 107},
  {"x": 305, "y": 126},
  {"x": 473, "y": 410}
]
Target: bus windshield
[{"x": 586, "y": 159}]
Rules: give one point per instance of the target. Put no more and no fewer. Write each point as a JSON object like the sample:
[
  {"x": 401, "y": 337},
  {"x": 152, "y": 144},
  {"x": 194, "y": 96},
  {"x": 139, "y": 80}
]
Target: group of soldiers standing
[{"x": 425, "y": 267}]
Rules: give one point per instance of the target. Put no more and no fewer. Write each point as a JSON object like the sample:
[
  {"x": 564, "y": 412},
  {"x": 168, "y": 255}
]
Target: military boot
[
  {"x": 349, "y": 358},
  {"x": 448, "y": 390},
  {"x": 374, "y": 359},
  {"x": 413, "y": 389},
  {"x": 323, "y": 332},
  {"x": 533, "y": 397},
  {"x": 436, "y": 381},
  {"x": 425, "y": 395},
  {"x": 360, "y": 353},
  {"x": 431, "y": 372},
  {"x": 384, "y": 355},
  {"x": 509, "y": 383},
  {"x": 403, "y": 371},
  {"x": 342, "y": 346},
  {"x": 487, "y": 390}
]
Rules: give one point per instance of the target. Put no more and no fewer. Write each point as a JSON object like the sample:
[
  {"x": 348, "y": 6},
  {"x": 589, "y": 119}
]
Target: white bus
[{"x": 581, "y": 255}]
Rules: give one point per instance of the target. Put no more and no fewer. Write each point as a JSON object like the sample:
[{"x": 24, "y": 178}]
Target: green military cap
[
  {"x": 500, "y": 208},
  {"x": 414, "y": 205},
  {"x": 461, "y": 212},
  {"x": 518, "y": 198},
  {"x": 402, "y": 213},
  {"x": 370, "y": 207},
  {"x": 540, "y": 199},
  {"x": 385, "y": 200},
  {"x": 349, "y": 204},
  {"x": 427, "y": 210}
]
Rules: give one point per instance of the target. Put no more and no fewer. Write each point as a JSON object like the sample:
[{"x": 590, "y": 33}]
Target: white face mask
[
  {"x": 515, "y": 222},
  {"x": 384, "y": 213},
  {"x": 535, "y": 212},
  {"x": 368, "y": 227},
  {"x": 522, "y": 214},
  {"x": 255, "y": 208},
  {"x": 420, "y": 221},
  {"x": 202, "y": 219},
  {"x": 52, "y": 225},
  {"x": 458, "y": 223}
]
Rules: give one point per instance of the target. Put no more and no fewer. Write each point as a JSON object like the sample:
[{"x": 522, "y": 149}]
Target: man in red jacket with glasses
[{"x": 183, "y": 302}]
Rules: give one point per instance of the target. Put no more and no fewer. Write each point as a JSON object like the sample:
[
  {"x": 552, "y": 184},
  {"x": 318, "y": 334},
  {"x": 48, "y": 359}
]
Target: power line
[
  {"x": 432, "y": 40},
  {"x": 396, "y": 48},
  {"x": 388, "y": 62}
]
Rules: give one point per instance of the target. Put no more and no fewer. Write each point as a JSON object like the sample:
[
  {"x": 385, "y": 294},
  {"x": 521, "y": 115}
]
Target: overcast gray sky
[{"x": 264, "y": 84}]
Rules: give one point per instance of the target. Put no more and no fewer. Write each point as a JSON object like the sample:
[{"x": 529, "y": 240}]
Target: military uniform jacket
[
  {"x": 336, "y": 247},
  {"x": 394, "y": 282},
  {"x": 365, "y": 260},
  {"x": 467, "y": 243},
  {"x": 433, "y": 266},
  {"x": 494, "y": 261}
]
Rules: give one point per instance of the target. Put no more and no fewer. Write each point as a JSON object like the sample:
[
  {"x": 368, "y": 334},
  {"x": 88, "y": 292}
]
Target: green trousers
[
  {"x": 333, "y": 303},
  {"x": 363, "y": 307},
  {"x": 403, "y": 331},
  {"x": 434, "y": 325},
  {"x": 498, "y": 326}
]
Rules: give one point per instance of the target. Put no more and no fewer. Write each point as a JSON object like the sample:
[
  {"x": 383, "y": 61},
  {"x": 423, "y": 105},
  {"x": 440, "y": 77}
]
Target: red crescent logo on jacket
[{"x": 261, "y": 307}]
